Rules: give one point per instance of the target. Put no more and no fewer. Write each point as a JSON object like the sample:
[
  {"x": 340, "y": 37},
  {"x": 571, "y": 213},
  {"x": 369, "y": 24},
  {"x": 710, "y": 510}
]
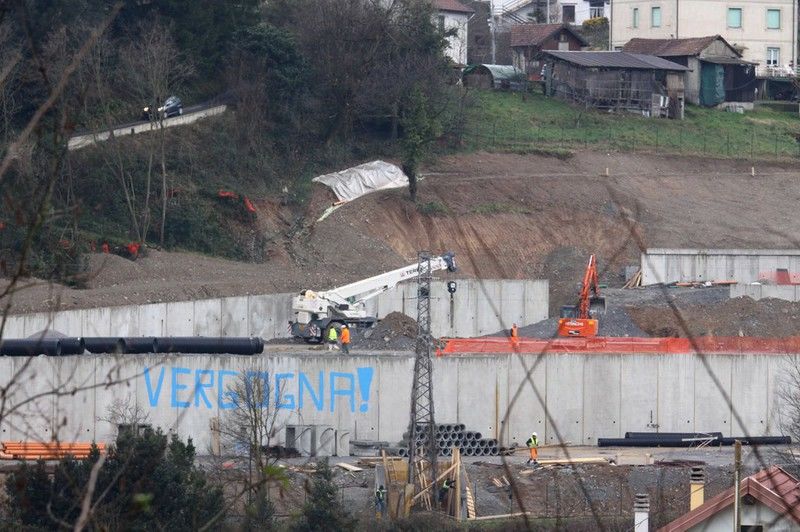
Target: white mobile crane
[{"x": 316, "y": 312}]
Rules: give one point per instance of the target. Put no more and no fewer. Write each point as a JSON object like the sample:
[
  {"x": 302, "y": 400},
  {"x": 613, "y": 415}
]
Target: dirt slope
[{"x": 505, "y": 215}]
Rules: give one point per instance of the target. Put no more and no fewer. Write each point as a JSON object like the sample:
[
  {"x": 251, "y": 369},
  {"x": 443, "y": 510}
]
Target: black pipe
[
  {"x": 193, "y": 344},
  {"x": 140, "y": 344},
  {"x": 655, "y": 442},
  {"x": 102, "y": 344},
  {"x": 30, "y": 347},
  {"x": 670, "y": 435},
  {"x": 72, "y": 346},
  {"x": 758, "y": 440}
]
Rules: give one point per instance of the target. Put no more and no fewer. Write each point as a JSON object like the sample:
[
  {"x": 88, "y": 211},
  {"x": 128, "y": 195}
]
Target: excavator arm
[{"x": 582, "y": 323}]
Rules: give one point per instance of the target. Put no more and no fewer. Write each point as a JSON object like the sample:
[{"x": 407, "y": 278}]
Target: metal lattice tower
[{"x": 422, "y": 441}]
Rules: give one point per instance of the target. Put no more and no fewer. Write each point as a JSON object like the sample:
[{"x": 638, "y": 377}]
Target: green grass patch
[
  {"x": 491, "y": 208},
  {"x": 433, "y": 208},
  {"x": 511, "y": 122}
]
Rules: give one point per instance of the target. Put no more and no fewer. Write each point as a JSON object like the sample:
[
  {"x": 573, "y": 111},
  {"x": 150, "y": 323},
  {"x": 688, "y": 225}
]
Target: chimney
[
  {"x": 641, "y": 513},
  {"x": 697, "y": 483}
]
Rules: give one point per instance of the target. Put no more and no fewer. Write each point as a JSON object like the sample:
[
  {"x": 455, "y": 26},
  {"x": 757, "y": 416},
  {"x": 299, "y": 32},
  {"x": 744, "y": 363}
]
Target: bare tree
[
  {"x": 251, "y": 426},
  {"x": 155, "y": 69}
]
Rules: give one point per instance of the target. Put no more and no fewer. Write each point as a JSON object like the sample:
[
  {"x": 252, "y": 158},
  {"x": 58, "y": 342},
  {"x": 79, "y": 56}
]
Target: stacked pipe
[
  {"x": 131, "y": 345},
  {"x": 686, "y": 439},
  {"x": 449, "y": 435}
]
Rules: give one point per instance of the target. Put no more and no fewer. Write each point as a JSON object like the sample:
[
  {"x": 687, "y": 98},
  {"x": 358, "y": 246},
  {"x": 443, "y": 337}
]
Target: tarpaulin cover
[{"x": 362, "y": 179}]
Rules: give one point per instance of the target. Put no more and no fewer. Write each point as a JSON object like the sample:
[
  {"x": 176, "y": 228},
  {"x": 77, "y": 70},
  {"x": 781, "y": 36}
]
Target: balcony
[{"x": 776, "y": 71}]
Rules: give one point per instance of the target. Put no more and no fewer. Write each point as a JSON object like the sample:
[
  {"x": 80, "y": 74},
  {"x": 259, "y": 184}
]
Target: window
[
  {"x": 773, "y": 56},
  {"x": 441, "y": 23},
  {"x": 635, "y": 17},
  {"x": 568, "y": 14},
  {"x": 735, "y": 17},
  {"x": 596, "y": 12},
  {"x": 773, "y": 19},
  {"x": 655, "y": 17}
]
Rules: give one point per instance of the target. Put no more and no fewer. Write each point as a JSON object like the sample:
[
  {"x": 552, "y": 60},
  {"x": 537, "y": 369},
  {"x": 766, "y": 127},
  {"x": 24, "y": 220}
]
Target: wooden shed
[
  {"x": 528, "y": 41},
  {"x": 717, "y": 76},
  {"x": 617, "y": 81}
]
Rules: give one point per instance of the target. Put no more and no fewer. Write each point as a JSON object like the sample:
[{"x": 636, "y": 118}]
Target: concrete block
[
  {"x": 712, "y": 391},
  {"x": 124, "y": 321},
  {"x": 676, "y": 393},
  {"x": 639, "y": 393},
  {"x": 750, "y": 395},
  {"x": 602, "y": 394},
  {"x": 153, "y": 319},
  {"x": 479, "y": 374},
  {"x": 179, "y": 319},
  {"x": 77, "y": 393},
  {"x": 207, "y": 317},
  {"x": 564, "y": 401},
  {"x": 36, "y": 323},
  {"x": 394, "y": 393},
  {"x": 234, "y": 316},
  {"x": 69, "y": 322},
  {"x": 14, "y": 327},
  {"x": 526, "y": 385},
  {"x": 97, "y": 322},
  {"x": 325, "y": 444}
]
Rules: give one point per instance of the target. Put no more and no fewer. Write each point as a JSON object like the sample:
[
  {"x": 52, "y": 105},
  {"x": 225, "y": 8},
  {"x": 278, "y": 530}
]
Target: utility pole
[
  {"x": 492, "y": 24},
  {"x": 737, "y": 479},
  {"x": 422, "y": 442}
]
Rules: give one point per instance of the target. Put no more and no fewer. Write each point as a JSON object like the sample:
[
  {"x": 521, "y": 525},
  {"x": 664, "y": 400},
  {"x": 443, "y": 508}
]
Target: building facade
[
  {"x": 552, "y": 11},
  {"x": 454, "y": 16},
  {"x": 765, "y": 31}
]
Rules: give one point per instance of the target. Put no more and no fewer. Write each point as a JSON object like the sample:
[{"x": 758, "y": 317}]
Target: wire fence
[{"x": 669, "y": 137}]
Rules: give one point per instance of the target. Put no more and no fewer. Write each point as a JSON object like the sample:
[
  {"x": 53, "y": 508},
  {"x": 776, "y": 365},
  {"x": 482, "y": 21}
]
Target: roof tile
[
  {"x": 672, "y": 47},
  {"x": 532, "y": 34}
]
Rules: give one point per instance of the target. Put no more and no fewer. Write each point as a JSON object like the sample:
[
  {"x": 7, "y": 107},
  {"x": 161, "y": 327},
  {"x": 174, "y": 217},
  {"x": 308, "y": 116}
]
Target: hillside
[{"x": 504, "y": 215}]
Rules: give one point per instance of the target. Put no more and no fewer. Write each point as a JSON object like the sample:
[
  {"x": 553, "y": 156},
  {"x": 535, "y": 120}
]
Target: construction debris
[{"x": 348, "y": 467}]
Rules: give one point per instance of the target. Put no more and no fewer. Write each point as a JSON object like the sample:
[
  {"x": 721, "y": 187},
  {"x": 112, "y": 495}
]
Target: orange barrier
[
  {"x": 26, "y": 450},
  {"x": 614, "y": 345}
]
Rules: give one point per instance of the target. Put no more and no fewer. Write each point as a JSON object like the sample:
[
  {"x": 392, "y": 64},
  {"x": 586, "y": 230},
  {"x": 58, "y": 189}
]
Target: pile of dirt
[
  {"x": 396, "y": 331},
  {"x": 735, "y": 317}
]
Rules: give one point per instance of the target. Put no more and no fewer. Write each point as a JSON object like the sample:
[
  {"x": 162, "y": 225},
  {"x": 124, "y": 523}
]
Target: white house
[
  {"x": 551, "y": 11},
  {"x": 453, "y": 15},
  {"x": 765, "y": 31}
]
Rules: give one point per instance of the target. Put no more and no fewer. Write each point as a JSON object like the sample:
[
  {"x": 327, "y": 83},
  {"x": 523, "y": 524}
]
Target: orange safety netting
[{"x": 703, "y": 344}]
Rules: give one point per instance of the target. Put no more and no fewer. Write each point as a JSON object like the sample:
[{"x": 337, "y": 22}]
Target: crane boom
[{"x": 314, "y": 311}]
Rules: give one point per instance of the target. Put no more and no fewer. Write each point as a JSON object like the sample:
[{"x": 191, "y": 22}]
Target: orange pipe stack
[{"x": 28, "y": 450}]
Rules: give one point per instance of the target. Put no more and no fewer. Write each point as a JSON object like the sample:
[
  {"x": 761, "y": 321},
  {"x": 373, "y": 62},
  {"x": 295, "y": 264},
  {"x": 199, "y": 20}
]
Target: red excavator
[{"x": 581, "y": 320}]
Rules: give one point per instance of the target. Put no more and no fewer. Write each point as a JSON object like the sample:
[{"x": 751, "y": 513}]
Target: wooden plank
[
  {"x": 457, "y": 502},
  {"x": 471, "y": 513},
  {"x": 349, "y": 467},
  {"x": 500, "y": 516}
]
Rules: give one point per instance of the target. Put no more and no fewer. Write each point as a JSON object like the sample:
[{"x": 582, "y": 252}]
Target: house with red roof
[
  {"x": 770, "y": 501},
  {"x": 528, "y": 41}
]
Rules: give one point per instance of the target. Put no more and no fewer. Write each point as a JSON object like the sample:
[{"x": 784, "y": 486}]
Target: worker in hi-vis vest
[
  {"x": 345, "y": 336},
  {"x": 332, "y": 337},
  {"x": 533, "y": 447}
]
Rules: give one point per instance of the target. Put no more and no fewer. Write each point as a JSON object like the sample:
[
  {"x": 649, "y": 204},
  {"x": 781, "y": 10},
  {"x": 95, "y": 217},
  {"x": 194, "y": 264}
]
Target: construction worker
[
  {"x": 332, "y": 337},
  {"x": 345, "y": 337},
  {"x": 380, "y": 501},
  {"x": 444, "y": 490},
  {"x": 533, "y": 447},
  {"x": 514, "y": 333}
]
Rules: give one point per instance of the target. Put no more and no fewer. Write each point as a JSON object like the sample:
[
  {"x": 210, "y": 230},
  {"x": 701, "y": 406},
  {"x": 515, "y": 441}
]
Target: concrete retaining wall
[
  {"x": 367, "y": 395},
  {"x": 81, "y": 141},
  {"x": 760, "y": 291},
  {"x": 741, "y": 265},
  {"x": 478, "y": 308}
]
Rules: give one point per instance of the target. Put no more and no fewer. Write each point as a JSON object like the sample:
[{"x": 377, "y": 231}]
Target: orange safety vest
[
  {"x": 345, "y": 335},
  {"x": 514, "y": 332}
]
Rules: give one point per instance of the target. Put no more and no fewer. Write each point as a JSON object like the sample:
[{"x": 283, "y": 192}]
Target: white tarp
[{"x": 362, "y": 179}]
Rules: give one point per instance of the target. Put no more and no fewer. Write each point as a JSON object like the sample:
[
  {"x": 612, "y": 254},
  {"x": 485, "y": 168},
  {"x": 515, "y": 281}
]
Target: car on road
[{"x": 172, "y": 107}]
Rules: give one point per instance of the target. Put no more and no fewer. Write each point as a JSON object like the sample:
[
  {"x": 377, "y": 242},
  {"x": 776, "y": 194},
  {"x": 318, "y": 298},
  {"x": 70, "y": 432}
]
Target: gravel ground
[{"x": 620, "y": 303}]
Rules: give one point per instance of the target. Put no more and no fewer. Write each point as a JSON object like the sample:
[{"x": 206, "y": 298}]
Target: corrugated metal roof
[
  {"x": 531, "y": 34},
  {"x": 673, "y": 47},
  {"x": 452, "y": 5},
  {"x": 617, "y": 60},
  {"x": 498, "y": 71}
]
